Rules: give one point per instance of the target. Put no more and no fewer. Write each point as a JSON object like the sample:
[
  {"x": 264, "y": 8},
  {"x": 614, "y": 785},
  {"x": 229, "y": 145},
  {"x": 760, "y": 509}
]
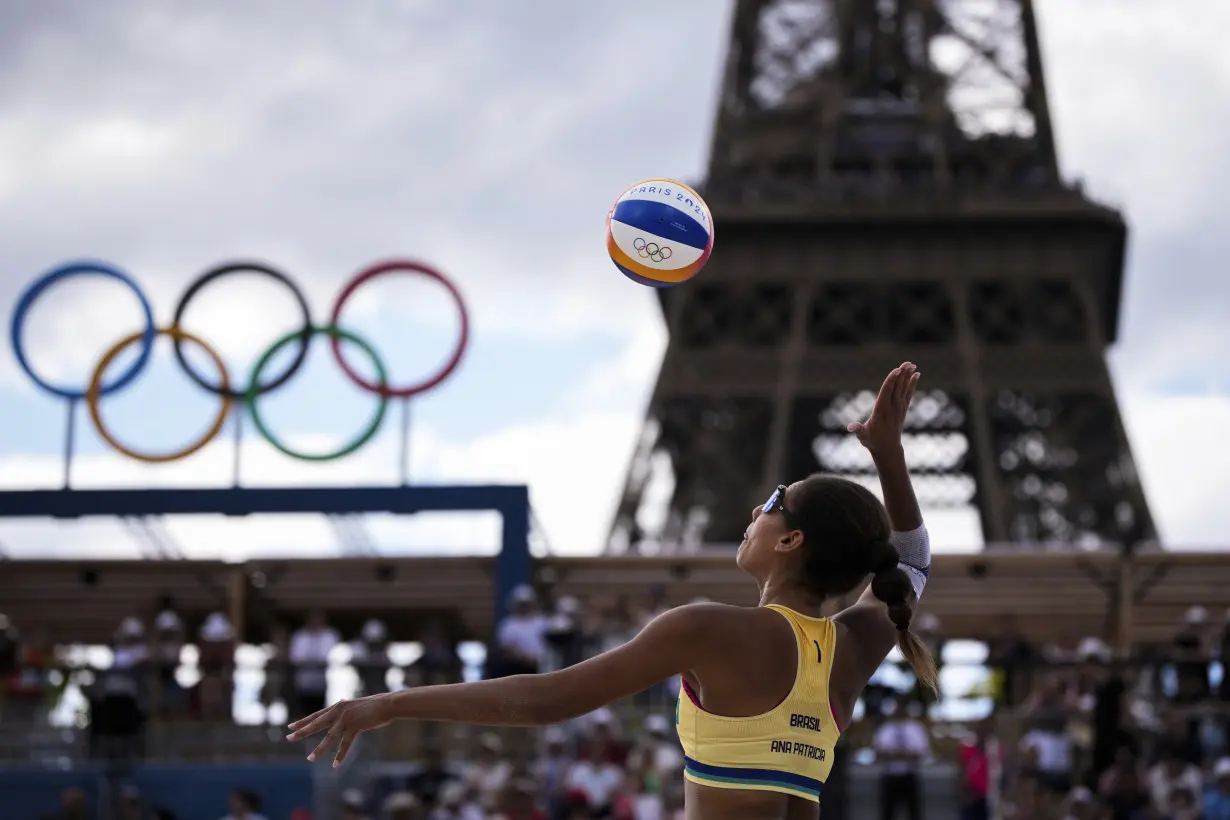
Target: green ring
[{"x": 363, "y": 438}]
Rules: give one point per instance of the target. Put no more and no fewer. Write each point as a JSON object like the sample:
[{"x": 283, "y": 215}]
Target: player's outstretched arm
[
  {"x": 674, "y": 642},
  {"x": 868, "y": 619}
]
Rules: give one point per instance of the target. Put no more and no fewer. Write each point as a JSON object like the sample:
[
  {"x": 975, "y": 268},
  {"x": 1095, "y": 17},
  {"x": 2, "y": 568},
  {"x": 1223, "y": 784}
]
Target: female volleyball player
[{"x": 766, "y": 690}]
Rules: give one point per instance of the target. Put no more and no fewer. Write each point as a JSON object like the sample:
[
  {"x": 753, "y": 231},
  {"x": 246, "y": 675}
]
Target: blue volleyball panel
[
  {"x": 641, "y": 280},
  {"x": 664, "y": 220}
]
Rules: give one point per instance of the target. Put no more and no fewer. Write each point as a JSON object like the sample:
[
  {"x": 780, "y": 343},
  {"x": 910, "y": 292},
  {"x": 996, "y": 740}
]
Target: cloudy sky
[{"x": 489, "y": 139}]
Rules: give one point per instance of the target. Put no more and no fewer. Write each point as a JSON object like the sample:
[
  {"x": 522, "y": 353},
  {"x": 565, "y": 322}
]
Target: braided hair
[{"x": 846, "y": 538}]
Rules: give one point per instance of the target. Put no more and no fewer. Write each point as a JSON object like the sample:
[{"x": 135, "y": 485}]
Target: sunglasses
[{"x": 777, "y": 503}]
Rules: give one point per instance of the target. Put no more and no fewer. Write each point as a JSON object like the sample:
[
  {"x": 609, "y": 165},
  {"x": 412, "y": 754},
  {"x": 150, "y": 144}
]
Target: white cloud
[{"x": 1184, "y": 457}]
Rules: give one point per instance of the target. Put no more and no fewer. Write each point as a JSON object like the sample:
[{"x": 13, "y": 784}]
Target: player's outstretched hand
[
  {"x": 343, "y": 722},
  {"x": 882, "y": 430}
]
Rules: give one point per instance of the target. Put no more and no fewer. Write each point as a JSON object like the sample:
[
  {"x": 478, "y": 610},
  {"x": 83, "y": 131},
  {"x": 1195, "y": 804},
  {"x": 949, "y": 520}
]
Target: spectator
[
  {"x": 521, "y": 637},
  {"x": 402, "y": 806},
  {"x": 1123, "y": 787},
  {"x": 278, "y": 686},
  {"x": 564, "y": 634},
  {"x": 25, "y": 664},
  {"x": 603, "y": 734},
  {"x": 454, "y": 805},
  {"x": 903, "y": 744},
  {"x": 370, "y": 657},
  {"x": 550, "y": 770},
  {"x": 1182, "y": 805},
  {"x": 429, "y": 781},
  {"x": 244, "y": 804},
  {"x": 489, "y": 772},
  {"x": 217, "y": 663},
  {"x": 309, "y": 656},
  {"x": 1109, "y": 708},
  {"x": 1191, "y": 657},
  {"x": 168, "y": 643},
  {"x": 1046, "y": 759},
  {"x": 1080, "y": 805},
  {"x": 595, "y": 778},
  {"x": 117, "y": 713},
  {"x": 1217, "y": 798},
  {"x": 975, "y": 785},
  {"x": 1172, "y": 772},
  {"x": 353, "y": 805},
  {"x": 439, "y": 662},
  {"x": 656, "y": 751},
  {"x": 1012, "y": 659},
  {"x": 518, "y": 802},
  {"x": 654, "y": 763}
]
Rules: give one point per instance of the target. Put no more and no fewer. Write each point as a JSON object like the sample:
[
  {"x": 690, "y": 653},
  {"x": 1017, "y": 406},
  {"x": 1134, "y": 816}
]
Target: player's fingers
[
  {"x": 343, "y": 748},
  {"x": 311, "y": 725},
  {"x": 909, "y": 395},
  {"x": 903, "y": 382},
  {"x": 886, "y": 389},
  {"x": 335, "y": 734},
  {"x": 310, "y": 719}
]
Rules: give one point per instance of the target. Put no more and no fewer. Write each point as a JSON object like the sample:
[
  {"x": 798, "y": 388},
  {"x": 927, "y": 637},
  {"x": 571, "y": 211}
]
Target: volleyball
[{"x": 659, "y": 233}]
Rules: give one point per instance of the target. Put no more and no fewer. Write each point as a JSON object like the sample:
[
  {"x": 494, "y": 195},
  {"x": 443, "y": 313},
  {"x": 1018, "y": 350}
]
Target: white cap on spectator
[
  {"x": 1196, "y": 615},
  {"x": 1080, "y": 795},
  {"x": 374, "y": 630},
  {"x": 131, "y": 628},
  {"x": 400, "y": 801},
  {"x": 491, "y": 742},
  {"x": 656, "y": 724},
  {"x": 216, "y": 628},
  {"x": 1222, "y": 767},
  {"x": 567, "y": 605},
  {"x": 1093, "y": 649},
  {"x": 452, "y": 794},
  {"x": 521, "y": 594},
  {"x": 352, "y": 799},
  {"x": 168, "y": 621},
  {"x": 928, "y": 622},
  {"x": 554, "y": 736}
]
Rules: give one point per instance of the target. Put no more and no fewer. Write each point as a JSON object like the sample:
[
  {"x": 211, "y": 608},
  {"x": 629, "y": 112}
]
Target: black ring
[{"x": 305, "y": 335}]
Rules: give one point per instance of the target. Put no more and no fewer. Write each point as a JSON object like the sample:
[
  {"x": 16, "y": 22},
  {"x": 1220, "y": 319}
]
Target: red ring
[{"x": 403, "y": 266}]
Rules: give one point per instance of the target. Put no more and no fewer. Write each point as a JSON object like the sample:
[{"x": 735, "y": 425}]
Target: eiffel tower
[{"x": 885, "y": 186}]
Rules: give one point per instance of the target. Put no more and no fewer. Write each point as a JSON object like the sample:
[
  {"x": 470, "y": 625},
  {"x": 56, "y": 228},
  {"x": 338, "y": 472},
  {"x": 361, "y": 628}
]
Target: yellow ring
[{"x": 92, "y": 397}]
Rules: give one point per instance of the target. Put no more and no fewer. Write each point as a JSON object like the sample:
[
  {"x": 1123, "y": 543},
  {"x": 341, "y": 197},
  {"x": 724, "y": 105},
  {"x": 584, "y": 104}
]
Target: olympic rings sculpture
[{"x": 222, "y": 385}]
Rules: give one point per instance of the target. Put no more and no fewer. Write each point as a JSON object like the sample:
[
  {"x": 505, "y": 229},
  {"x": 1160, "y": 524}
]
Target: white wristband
[{"x": 914, "y": 551}]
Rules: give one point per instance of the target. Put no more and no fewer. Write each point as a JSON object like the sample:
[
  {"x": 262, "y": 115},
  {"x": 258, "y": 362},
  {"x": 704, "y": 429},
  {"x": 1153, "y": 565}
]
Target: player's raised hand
[
  {"x": 343, "y": 722},
  {"x": 882, "y": 430}
]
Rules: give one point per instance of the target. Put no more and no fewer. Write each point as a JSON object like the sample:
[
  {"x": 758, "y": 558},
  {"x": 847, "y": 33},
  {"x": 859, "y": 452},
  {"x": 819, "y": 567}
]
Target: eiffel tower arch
[{"x": 885, "y": 186}]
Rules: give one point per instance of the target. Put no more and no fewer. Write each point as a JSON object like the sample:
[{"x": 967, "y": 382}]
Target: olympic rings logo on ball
[
  {"x": 221, "y": 385},
  {"x": 651, "y": 250}
]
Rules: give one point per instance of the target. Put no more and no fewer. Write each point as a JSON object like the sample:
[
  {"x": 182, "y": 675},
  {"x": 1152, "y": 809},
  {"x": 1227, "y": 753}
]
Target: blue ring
[{"x": 35, "y": 290}]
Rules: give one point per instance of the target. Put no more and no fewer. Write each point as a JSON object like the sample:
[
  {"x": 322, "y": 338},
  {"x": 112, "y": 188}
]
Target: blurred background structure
[{"x": 886, "y": 185}]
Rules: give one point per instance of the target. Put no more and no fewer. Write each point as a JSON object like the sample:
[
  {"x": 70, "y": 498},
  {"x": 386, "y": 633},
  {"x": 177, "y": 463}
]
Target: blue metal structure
[{"x": 512, "y": 502}]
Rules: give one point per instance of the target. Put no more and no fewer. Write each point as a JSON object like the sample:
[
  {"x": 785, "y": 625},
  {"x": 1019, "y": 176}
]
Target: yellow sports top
[{"x": 788, "y": 749}]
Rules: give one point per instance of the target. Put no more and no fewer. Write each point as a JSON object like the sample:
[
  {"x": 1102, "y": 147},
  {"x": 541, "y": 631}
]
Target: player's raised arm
[
  {"x": 674, "y": 642},
  {"x": 877, "y": 627}
]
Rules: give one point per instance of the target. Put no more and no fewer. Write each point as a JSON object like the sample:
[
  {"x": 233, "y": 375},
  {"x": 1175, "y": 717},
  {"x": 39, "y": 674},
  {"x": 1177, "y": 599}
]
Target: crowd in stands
[{"x": 1077, "y": 733}]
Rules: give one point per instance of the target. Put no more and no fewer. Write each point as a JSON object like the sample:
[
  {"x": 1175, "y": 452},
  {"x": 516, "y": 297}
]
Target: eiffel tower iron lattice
[{"x": 884, "y": 179}]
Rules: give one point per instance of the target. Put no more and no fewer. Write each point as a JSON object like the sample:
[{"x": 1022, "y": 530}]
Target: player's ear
[{"x": 789, "y": 541}]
